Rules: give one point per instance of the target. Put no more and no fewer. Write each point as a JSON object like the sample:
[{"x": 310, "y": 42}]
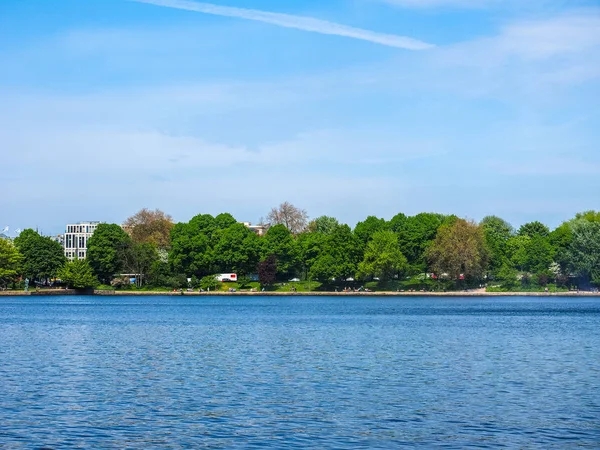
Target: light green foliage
[
  {"x": 323, "y": 225},
  {"x": 517, "y": 251},
  {"x": 589, "y": 216},
  {"x": 458, "y": 249},
  {"x": 42, "y": 257},
  {"x": 210, "y": 282},
  {"x": 383, "y": 258},
  {"x": 78, "y": 274},
  {"x": 10, "y": 261},
  {"x": 584, "y": 251},
  {"x": 539, "y": 254},
  {"x": 106, "y": 251}
]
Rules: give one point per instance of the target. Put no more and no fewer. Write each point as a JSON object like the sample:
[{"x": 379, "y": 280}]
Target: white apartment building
[{"x": 76, "y": 237}]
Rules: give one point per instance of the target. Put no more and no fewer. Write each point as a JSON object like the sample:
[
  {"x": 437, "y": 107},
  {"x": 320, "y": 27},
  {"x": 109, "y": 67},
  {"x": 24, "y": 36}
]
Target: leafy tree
[
  {"x": 561, "y": 239},
  {"x": 418, "y": 234},
  {"x": 139, "y": 259},
  {"x": 323, "y": 225},
  {"x": 237, "y": 249},
  {"x": 106, "y": 251},
  {"x": 279, "y": 242},
  {"x": 344, "y": 246},
  {"x": 191, "y": 251},
  {"x": 517, "y": 251},
  {"x": 398, "y": 223},
  {"x": 383, "y": 258},
  {"x": 323, "y": 268},
  {"x": 590, "y": 216},
  {"x": 42, "y": 257},
  {"x": 532, "y": 229},
  {"x": 293, "y": 218},
  {"x": 507, "y": 276},
  {"x": 224, "y": 220},
  {"x": 150, "y": 227},
  {"x": 458, "y": 249},
  {"x": 497, "y": 233},
  {"x": 10, "y": 261},
  {"x": 365, "y": 230},
  {"x": 267, "y": 270},
  {"x": 78, "y": 274},
  {"x": 584, "y": 252},
  {"x": 210, "y": 282},
  {"x": 539, "y": 254}
]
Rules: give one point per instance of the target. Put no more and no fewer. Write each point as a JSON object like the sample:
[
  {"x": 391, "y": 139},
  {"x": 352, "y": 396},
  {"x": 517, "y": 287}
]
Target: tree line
[{"x": 431, "y": 250}]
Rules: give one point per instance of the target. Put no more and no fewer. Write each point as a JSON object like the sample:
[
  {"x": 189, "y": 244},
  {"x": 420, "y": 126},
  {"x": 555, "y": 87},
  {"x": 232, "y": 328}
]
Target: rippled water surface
[{"x": 161, "y": 372}]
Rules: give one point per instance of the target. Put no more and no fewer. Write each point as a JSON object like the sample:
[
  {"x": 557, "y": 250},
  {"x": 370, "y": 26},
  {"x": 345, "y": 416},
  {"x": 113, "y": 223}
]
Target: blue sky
[{"x": 346, "y": 107}]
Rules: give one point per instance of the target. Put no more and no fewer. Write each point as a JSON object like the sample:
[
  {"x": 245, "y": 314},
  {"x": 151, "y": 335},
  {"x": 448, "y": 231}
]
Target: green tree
[
  {"x": 561, "y": 239},
  {"x": 517, "y": 251},
  {"x": 417, "y": 235},
  {"x": 279, "y": 242},
  {"x": 191, "y": 251},
  {"x": 237, "y": 249},
  {"x": 365, "y": 230},
  {"x": 323, "y": 225},
  {"x": 10, "y": 261},
  {"x": 383, "y": 258},
  {"x": 210, "y": 283},
  {"x": 106, "y": 251},
  {"x": 507, "y": 276},
  {"x": 139, "y": 259},
  {"x": 497, "y": 233},
  {"x": 224, "y": 220},
  {"x": 589, "y": 216},
  {"x": 532, "y": 229},
  {"x": 42, "y": 257},
  {"x": 458, "y": 249},
  {"x": 78, "y": 274},
  {"x": 539, "y": 254},
  {"x": 584, "y": 252}
]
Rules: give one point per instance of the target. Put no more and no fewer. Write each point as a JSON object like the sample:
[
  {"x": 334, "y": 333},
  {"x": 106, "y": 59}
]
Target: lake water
[{"x": 243, "y": 372}]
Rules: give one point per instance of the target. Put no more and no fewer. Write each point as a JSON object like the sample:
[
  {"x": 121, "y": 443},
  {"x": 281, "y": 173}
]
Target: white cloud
[{"x": 297, "y": 22}]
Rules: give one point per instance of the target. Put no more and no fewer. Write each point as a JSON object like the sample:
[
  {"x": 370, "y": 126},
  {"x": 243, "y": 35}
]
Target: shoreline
[{"x": 107, "y": 293}]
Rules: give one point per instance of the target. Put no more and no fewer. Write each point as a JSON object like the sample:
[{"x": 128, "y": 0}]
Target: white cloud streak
[{"x": 298, "y": 22}]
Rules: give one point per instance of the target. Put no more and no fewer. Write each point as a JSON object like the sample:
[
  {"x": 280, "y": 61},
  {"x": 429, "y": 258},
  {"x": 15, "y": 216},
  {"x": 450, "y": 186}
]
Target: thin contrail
[{"x": 298, "y": 22}]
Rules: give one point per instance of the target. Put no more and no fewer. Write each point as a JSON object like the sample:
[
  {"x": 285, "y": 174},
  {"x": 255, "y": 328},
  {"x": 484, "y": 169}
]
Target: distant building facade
[
  {"x": 76, "y": 238},
  {"x": 260, "y": 230}
]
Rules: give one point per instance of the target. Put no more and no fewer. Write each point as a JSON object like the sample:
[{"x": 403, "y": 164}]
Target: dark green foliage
[
  {"x": 279, "y": 242},
  {"x": 416, "y": 236},
  {"x": 236, "y": 249},
  {"x": 533, "y": 229},
  {"x": 106, "y": 251},
  {"x": 42, "y": 257},
  {"x": 365, "y": 230},
  {"x": 497, "y": 233},
  {"x": 78, "y": 274}
]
